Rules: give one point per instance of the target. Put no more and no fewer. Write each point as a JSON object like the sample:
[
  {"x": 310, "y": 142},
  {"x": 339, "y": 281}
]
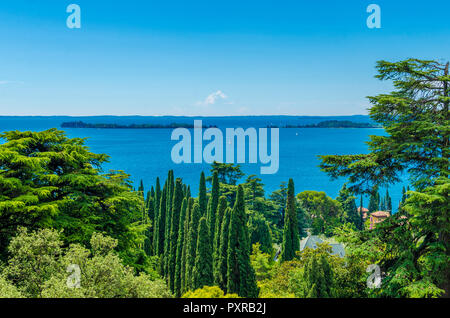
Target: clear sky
[{"x": 189, "y": 57}]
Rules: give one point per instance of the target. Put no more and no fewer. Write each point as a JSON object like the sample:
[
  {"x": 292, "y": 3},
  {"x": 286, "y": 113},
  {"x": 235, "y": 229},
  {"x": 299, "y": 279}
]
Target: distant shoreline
[
  {"x": 80, "y": 124},
  {"x": 323, "y": 124},
  {"x": 332, "y": 124}
]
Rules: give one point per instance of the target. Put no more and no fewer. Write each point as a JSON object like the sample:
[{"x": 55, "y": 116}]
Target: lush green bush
[
  {"x": 209, "y": 292},
  {"x": 39, "y": 268}
]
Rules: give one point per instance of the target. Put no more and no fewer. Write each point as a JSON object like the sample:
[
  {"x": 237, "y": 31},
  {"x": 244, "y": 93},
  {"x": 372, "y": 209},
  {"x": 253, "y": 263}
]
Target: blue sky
[{"x": 207, "y": 57}]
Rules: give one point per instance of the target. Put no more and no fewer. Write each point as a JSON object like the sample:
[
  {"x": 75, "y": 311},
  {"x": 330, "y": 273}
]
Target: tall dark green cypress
[
  {"x": 202, "y": 198},
  {"x": 157, "y": 202},
  {"x": 174, "y": 230},
  {"x": 203, "y": 271},
  {"x": 291, "y": 242},
  {"x": 220, "y": 271},
  {"x": 188, "y": 192},
  {"x": 388, "y": 201},
  {"x": 148, "y": 243},
  {"x": 217, "y": 230},
  {"x": 162, "y": 230},
  {"x": 213, "y": 204},
  {"x": 374, "y": 201},
  {"x": 192, "y": 245},
  {"x": 241, "y": 278},
  {"x": 141, "y": 188},
  {"x": 179, "y": 251},
  {"x": 169, "y": 201},
  {"x": 161, "y": 222},
  {"x": 259, "y": 232},
  {"x": 185, "y": 244},
  {"x": 318, "y": 278}
]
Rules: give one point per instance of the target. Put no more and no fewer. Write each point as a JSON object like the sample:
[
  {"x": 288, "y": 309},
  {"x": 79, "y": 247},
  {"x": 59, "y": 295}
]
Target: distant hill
[
  {"x": 46, "y": 122},
  {"x": 335, "y": 124},
  {"x": 81, "y": 124}
]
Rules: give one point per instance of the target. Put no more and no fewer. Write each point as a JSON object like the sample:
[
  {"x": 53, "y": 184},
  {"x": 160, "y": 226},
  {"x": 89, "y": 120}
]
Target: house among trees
[
  {"x": 312, "y": 240},
  {"x": 378, "y": 217}
]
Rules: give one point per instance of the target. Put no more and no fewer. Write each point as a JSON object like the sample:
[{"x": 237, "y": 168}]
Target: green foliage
[
  {"x": 179, "y": 253},
  {"x": 227, "y": 173},
  {"x": 261, "y": 262},
  {"x": 291, "y": 242},
  {"x": 38, "y": 268},
  {"x": 217, "y": 234},
  {"x": 260, "y": 233},
  {"x": 202, "y": 198},
  {"x": 203, "y": 268},
  {"x": 415, "y": 117},
  {"x": 192, "y": 245},
  {"x": 240, "y": 274},
  {"x": 317, "y": 273},
  {"x": 318, "y": 278},
  {"x": 348, "y": 203},
  {"x": 323, "y": 212},
  {"x": 220, "y": 271},
  {"x": 213, "y": 204},
  {"x": 49, "y": 180},
  {"x": 209, "y": 292},
  {"x": 185, "y": 246},
  {"x": 8, "y": 290},
  {"x": 161, "y": 225},
  {"x": 174, "y": 231}
]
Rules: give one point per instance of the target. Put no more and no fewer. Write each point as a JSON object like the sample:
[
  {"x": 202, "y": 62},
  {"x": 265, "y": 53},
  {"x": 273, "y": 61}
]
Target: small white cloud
[{"x": 213, "y": 98}]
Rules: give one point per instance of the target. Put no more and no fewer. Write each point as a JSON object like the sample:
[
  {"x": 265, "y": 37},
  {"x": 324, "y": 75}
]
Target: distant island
[
  {"x": 80, "y": 124},
  {"x": 332, "y": 124}
]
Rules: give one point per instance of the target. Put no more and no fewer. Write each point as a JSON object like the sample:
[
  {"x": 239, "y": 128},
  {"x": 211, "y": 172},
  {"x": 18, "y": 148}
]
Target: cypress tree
[
  {"x": 162, "y": 230},
  {"x": 185, "y": 244},
  {"x": 169, "y": 202},
  {"x": 259, "y": 232},
  {"x": 383, "y": 204},
  {"x": 217, "y": 230},
  {"x": 161, "y": 222},
  {"x": 203, "y": 271},
  {"x": 148, "y": 243},
  {"x": 192, "y": 245},
  {"x": 241, "y": 278},
  {"x": 212, "y": 205},
  {"x": 202, "y": 199},
  {"x": 220, "y": 271},
  {"x": 388, "y": 201},
  {"x": 141, "y": 188},
  {"x": 188, "y": 192},
  {"x": 374, "y": 201},
  {"x": 318, "y": 278},
  {"x": 291, "y": 242},
  {"x": 157, "y": 200},
  {"x": 174, "y": 229},
  {"x": 179, "y": 252},
  {"x": 348, "y": 203}
]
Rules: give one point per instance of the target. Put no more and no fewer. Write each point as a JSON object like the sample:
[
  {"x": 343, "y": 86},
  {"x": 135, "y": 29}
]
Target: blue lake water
[{"x": 146, "y": 153}]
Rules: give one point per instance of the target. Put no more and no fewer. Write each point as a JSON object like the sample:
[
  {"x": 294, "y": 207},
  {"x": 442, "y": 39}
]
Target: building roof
[
  {"x": 338, "y": 249},
  {"x": 363, "y": 209},
  {"x": 312, "y": 240},
  {"x": 381, "y": 214}
]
